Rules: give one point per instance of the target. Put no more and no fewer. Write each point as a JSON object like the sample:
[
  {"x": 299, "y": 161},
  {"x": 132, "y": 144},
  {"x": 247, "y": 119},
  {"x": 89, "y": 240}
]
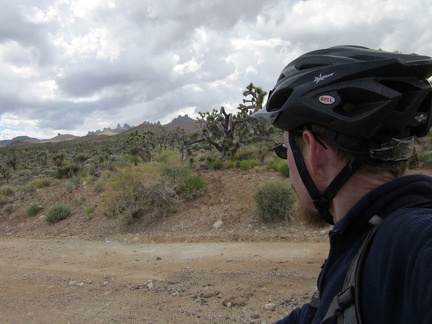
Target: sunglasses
[{"x": 281, "y": 149}]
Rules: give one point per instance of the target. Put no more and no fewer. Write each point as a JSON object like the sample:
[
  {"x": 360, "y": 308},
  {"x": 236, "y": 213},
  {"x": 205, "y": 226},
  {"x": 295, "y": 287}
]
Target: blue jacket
[{"x": 396, "y": 279}]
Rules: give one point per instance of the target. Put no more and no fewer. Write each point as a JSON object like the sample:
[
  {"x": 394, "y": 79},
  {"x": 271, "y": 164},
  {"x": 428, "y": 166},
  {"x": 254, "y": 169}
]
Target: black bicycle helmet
[
  {"x": 355, "y": 91},
  {"x": 368, "y": 94}
]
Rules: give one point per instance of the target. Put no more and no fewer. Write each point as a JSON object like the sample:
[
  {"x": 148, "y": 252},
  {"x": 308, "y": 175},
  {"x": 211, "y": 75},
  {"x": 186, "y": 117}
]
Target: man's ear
[{"x": 316, "y": 154}]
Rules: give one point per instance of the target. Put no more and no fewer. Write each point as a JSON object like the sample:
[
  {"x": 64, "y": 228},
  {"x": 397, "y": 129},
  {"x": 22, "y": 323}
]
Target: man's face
[{"x": 306, "y": 210}]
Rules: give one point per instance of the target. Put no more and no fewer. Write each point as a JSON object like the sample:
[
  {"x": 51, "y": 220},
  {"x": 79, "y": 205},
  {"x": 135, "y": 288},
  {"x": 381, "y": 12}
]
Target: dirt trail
[{"x": 60, "y": 280}]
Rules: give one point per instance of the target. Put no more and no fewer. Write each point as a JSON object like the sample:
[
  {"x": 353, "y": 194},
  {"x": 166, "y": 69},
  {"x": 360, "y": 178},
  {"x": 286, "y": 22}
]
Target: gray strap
[{"x": 346, "y": 304}]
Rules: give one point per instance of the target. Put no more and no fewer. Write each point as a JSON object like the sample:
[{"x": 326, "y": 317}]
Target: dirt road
[{"x": 74, "y": 280}]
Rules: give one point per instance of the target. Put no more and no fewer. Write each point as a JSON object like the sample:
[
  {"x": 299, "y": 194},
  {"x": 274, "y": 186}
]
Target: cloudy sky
[{"x": 71, "y": 66}]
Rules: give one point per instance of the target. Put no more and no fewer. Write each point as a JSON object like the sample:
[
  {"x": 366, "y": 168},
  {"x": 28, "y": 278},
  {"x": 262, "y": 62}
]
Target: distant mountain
[
  {"x": 184, "y": 122},
  {"x": 19, "y": 140},
  {"x": 59, "y": 138},
  {"x": 109, "y": 132}
]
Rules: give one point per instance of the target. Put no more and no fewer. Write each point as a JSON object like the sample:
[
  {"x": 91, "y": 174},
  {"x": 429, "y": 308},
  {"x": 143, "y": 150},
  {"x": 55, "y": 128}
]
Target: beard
[{"x": 308, "y": 216}]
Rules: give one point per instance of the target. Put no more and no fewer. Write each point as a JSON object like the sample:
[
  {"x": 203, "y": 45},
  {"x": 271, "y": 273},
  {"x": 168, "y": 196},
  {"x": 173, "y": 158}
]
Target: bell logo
[{"x": 326, "y": 99}]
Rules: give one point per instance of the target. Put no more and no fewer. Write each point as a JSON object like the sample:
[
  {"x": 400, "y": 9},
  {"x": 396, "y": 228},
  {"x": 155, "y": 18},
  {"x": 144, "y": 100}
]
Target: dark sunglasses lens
[{"x": 281, "y": 151}]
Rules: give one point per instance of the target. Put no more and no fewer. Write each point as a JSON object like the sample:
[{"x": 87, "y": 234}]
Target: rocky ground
[{"x": 211, "y": 262}]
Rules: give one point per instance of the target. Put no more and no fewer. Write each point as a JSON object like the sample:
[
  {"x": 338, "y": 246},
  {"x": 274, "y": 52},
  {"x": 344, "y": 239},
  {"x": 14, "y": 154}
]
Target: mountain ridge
[{"x": 184, "y": 122}]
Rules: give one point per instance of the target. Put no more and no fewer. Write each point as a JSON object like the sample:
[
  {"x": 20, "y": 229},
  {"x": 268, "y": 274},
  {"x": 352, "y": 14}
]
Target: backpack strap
[
  {"x": 346, "y": 304},
  {"x": 313, "y": 307}
]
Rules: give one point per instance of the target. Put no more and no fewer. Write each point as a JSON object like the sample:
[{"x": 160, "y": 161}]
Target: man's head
[{"x": 366, "y": 104}]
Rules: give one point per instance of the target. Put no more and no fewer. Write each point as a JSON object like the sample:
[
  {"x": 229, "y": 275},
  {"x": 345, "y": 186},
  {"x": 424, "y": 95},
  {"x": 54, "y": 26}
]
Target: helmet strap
[{"x": 322, "y": 201}]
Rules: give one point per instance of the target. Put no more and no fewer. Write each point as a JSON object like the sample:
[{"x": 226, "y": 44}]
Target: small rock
[
  {"x": 270, "y": 306},
  {"x": 150, "y": 285},
  {"x": 218, "y": 224}
]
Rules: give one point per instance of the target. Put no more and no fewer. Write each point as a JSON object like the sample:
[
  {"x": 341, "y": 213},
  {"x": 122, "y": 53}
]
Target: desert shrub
[
  {"x": 33, "y": 210},
  {"x": 81, "y": 199},
  {"x": 86, "y": 179},
  {"x": 25, "y": 175},
  {"x": 89, "y": 169},
  {"x": 40, "y": 183},
  {"x": 57, "y": 213},
  {"x": 173, "y": 169},
  {"x": 100, "y": 185},
  {"x": 8, "y": 208},
  {"x": 215, "y": 164},
  {"x": 67, "y": 171},
  {"x": 247, "y": 164},
  {"x": 7, "y": 191},
  {"x": 426, "y": 159},
  {"x": 261, "y": 151},
  {"x": 3, "y": 200},
  {"x": 280, "y": 166},
  {"x": 48, "y": 173},
  {"x": 193, "y": 186},
  {"x": 232, "y": 164},
  {"x": 274, "y": 200},
  {"x": 139, "y": 192},
  {"x": 245, "y": 153},
  {"x": 70, "y": 185}
]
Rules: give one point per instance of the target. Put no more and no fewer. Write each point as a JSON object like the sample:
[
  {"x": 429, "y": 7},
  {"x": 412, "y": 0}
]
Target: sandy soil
[
  {"x": 183, "y": 269},
  {"x": 81, "y": 281}
]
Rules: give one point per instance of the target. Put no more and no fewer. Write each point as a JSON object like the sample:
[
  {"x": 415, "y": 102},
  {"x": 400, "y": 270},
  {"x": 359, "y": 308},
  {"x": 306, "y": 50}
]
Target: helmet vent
[
  {"x": 278, "y": 99},
  {"x": 310, "y": 66},
  {"x": 408, "y": 91},
  {"x": 366, "y": 57},
  {"x": 355, "y": 102}
]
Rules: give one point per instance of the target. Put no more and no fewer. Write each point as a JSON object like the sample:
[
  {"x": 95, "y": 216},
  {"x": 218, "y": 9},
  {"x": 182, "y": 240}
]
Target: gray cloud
[{"x": 81, "y": 65}]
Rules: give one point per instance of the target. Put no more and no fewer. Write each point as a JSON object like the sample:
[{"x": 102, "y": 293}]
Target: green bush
[
  {"x": 280, "y": 166},
  {"x": 215, "y": 164},
  {"x": 247, "y": 164},
  {"x": 33, "y": 210},
  {"x": 57, "y": 213},
  {"x": 232, "y": 164},
  {"x": 193, "y": 186},
  {"x": 173, "y": 169},
  {"x": 274, "y": 200}
]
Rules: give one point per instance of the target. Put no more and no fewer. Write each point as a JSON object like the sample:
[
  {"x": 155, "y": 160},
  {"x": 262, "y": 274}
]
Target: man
[{"x": 350, "y": 115}]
